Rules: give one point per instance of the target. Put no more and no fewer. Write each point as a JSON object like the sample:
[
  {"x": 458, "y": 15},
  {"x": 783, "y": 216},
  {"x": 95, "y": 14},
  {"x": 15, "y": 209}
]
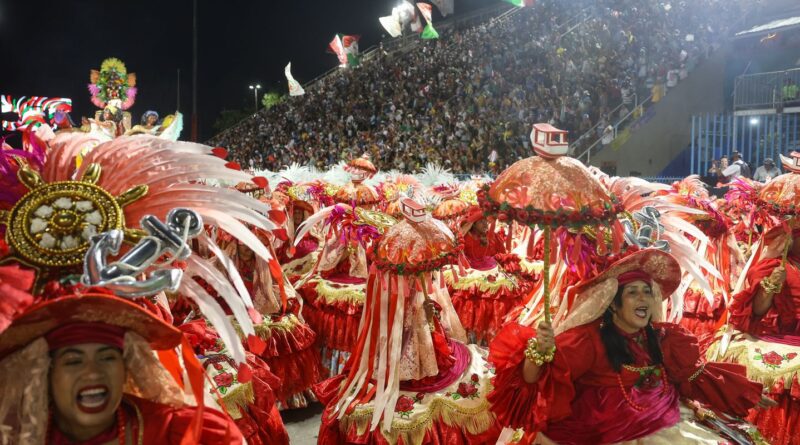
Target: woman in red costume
[
  {"x": 487, "y": 293},
  {"x": 766, "y": 309},
  {"x": 289, "y": 346},
  {"x": 411, "y": 380},
  {"x": 616, "y": 374},
  {"x": 767, "y": 312},
  {"x": 92, "y": 377}
]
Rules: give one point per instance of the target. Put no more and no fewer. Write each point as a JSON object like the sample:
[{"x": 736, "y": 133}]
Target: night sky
[{"x": 49, "y": 47}]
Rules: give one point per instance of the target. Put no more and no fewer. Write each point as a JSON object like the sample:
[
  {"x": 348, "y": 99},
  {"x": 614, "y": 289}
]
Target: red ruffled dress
[
  {"x": 248, "y": 397},
  {"x": 454, "y": 361},
  {"x": 780, "y": 326},
  {"x": 579, "y": 398},
  {"x": 334, "y": 301},
  {"x": 288, "y": 348},
  {"x": 699, "y": 316},
  {"x": 486, "y": 294}
]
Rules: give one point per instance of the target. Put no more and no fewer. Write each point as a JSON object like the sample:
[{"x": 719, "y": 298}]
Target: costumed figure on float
[{"x": 113, "y": 90}]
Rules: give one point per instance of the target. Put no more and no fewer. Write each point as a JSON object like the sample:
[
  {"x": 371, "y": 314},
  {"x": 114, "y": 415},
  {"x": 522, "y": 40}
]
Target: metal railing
[
  {"x": 638, "y": 107},
  {"x": 767, "y": 90},
  {"x": 756, "y": 137}
]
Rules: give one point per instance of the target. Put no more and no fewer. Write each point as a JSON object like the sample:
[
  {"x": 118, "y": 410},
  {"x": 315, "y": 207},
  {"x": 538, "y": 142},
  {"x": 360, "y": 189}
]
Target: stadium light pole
[{"x": 255, "y": 89}]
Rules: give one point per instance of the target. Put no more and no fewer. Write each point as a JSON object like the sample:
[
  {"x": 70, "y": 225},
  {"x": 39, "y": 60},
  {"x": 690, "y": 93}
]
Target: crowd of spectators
[{"x": 471, "y": 97}]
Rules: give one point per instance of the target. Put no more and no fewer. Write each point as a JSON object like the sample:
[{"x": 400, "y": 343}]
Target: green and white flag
[
  {"x": 295, "y": 89},
  {"x": 350, "y": 44},
  {"x": 521, "y": 3},
  {"x": 429, "y": 32},
  {"x": 346, "y": 49}
]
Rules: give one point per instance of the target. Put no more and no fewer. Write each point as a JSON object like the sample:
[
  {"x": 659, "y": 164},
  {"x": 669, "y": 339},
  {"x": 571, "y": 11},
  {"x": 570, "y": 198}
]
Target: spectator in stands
[
  {"x": 766, "y": 172},
  {"x": 737, "y": 168},
  {"x": 479, "y": 88},
  {"x": 715, "y": 172}
]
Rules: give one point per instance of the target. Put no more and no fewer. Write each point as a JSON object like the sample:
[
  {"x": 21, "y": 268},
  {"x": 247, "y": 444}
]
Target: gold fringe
[
  {"x": 478, "y": 279},
  {"x": 237, "y": 400},
  {"x": 265, "y": 328},
  {"x": 474, "y": 420},
  {"x": 531, "y": 266},
  {"x": 349, "y": 294},
  {"x": 739, "y": 352}
]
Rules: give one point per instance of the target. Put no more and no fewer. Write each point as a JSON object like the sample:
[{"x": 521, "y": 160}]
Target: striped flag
[{"x": 346, "y": 49}]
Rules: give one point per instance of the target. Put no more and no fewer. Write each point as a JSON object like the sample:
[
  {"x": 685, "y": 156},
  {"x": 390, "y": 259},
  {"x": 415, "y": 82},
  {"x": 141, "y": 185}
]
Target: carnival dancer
[
  {"x": 334, "y": 290},
  {"x": 610, "y": 372},
  {"x": 766, "y": 311},
  {"x": 247, "y": 392},
  {"x": 699, "y": 237},
  {"x": 356, "y": 192},
  {"x": 487, "y": 292},
  {"x": 411, "y": 380},
  {"x": 702, "y": 316},
  {"x": 289, "y": 344},
  {"x": 298, "y": 201},
  {"x": 92, "y": 376}
]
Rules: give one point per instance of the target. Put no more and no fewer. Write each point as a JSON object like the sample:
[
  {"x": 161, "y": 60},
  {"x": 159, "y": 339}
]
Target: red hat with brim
[
  {"x": 659, "y": 266},
  {"x": 42, "y": 318}
]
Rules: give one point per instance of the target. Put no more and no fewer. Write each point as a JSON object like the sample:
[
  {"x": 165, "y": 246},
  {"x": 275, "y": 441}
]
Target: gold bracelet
[
  {"x": 532, "y": 353},
  {"x": 697, "y": 373},
  {"x": 771, "y": 287}
]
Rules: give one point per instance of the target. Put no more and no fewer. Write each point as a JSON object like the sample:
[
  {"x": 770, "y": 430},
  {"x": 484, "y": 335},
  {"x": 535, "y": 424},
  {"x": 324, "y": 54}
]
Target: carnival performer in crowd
[
  {"x": 298, "y": 199},
  {"x": 356, "y": 192},
  {"x": 334, "y": 289},
  {"x": 410, "y": 379},
  {"x": 766, "y": 311},
  {"x": 704, "y": 310},
  {"x": 93, "y": 377},
  {"x": 490, "y": 289},
  {"x": 290, "y": 350},
  {"x": 65, "y": 219},
  {"x": 610, "y": 372}
]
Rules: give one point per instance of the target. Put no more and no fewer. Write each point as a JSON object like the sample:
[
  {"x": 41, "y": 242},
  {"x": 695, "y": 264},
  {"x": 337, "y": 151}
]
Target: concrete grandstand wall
[{"x": 664, "y": 131}]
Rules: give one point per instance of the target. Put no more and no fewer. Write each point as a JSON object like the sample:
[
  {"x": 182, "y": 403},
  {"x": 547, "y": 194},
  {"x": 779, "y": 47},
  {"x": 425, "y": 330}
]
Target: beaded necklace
[
  {"x": 58, "y": 437},
  {"x": 641, "y": 370}
]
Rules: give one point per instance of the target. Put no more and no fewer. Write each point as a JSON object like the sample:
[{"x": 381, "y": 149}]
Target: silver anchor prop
[
  {"x": 650, "y": 230},
  {"x": 121, "y": 276}
]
